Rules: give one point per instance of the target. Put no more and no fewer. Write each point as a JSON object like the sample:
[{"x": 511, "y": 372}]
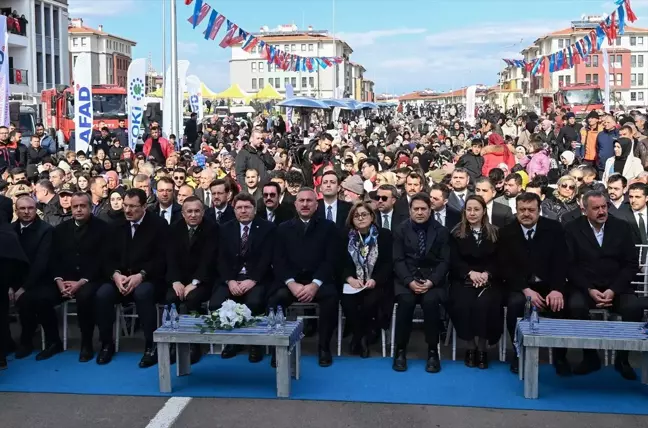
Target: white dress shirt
[
  {"x": 644, "y": 213},
  {"x": 526, "y": 230},
  {"x": 133, "y": 223},
  {"x": 489, "y": 211},
  {"x": 270, "y": 215},
  {"x": 167, "y": 213},
  {"x": 390, "y": 216},
  {"x": 512, "y": 203},
  {"x": 440, "y": 216},
  {"x": 598, "y": 234},
  {"x": 333, "y": 209}
]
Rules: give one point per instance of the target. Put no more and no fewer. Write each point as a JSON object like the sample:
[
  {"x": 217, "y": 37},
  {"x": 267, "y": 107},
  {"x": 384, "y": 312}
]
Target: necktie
[
  {"x": 438, "y": 218},
  {"x": 529, "y": 234},
  {"x": 208, "y": 199},
  {"x": 386, "y": 224},
  {"x": 461, "y": 199},
  {"x": 271, "y": 216},
  {"x": 421, "y": 242},
  {"x": 218, "y": 216},
  {"x": 244, "y": 239},
  {"x": 192, "y": 232},
  {"x": 329, "y": 213},
  {"x": 163, "y": 213},
  {"x": 642, "y": 229},
  {"x": 133, "y": 229}
]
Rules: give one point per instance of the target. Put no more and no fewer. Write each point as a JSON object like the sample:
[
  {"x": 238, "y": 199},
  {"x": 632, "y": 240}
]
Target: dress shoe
[
  {"x": 515, "y": 366},
  {"x": 23, "y": 351},
  {"x": 150, "y": 357},
  {"x": 230, "y": 351},
  {"x": 364, "y": 347},
  {"x": 470, "y": 359},
  {"x": 433, "y": 364},
  {"x": 400, "y": 361},
  {"x": 626, "y": 370},
  {"x": 86, "y": 354},
  {"x": 50, "y": 351},
  {"x": 482, "y": 360},
  {"x": 589, "y": 365},
  {"x": 3, "y": 362},
  {"x": 325, "y": 357},
  {"x": 563, "y": 369},
  {"x": 195, "y": 353},
  {"x": 256, "y": 354},
  {"x": 106, "y": 354}
]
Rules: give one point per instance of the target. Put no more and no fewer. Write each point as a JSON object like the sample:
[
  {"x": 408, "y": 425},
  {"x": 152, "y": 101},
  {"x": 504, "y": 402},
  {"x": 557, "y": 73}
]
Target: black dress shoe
[
  {"x": 364, "y": 347},
  {"x": 515, "y": 366},
  {"x": 230, "y": 351},
  {"x": 325, "y": 357},
  {"x": 626, "y": 370},
  {"x": 587, "y": 366},
  {"x": 150, "y": 357},
  {"x": 50, "y": 351},
  {"x": 563, "y": 369},
  {"x": 433, "y": 364},
  {"x": 400, "y": 361},
  {"x": 23, "y": 351},
  {"x": 86, "y": 354},
  {"x": 256, "y": 354},
  {"x": 470, "y": 359},
  {"x": 106, "y": 354},
  {"x": 195, "y": 353},
  {"x": 482, "y": 360}
]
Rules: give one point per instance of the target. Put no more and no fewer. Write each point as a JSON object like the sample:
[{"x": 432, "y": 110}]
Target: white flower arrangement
[{"x": 231, "y": 315}]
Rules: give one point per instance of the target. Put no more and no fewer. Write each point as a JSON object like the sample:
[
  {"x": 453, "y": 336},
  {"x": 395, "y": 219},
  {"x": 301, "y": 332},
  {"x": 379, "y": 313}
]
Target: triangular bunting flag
[
  {"x": 196, "y": 19},
  {"x": 215, "y": 22}
]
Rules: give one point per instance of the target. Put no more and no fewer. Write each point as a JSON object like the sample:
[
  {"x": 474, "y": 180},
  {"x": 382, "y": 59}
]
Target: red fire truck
[
  {"x": 580, "y": 98},
  {"x": 57, "y": 109}
]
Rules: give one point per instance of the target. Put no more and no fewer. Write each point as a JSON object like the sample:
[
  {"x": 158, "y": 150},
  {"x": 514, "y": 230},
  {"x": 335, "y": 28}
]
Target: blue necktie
[
  {"x": 329, "y": 213},
  {"x": 421, "y": 242}
]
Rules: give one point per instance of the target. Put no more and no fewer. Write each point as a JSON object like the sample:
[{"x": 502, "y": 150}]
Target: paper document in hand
[{"x": 350, "y": 290}]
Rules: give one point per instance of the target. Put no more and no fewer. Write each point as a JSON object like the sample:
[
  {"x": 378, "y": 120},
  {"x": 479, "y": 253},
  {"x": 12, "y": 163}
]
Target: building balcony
[{"x": 17, "y": 41}]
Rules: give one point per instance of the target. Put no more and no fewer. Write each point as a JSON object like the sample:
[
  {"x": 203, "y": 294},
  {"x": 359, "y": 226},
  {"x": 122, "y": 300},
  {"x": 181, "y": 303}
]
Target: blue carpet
[{"x": 349, "y": 379}]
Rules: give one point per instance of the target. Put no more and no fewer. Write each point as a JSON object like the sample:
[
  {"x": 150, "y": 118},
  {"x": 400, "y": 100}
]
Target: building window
[
  {"x": 640, "y": 62},
  {"x": 640, "y": 96},
  {"x": 84, "y": 41},
  {"x": 633, "y": 96},
  {"x": 588, "y": 78},
  {"x": 254, "y": 67},
  {"x": 261, "y": 67},
  {"x": 293, "y": 47},
  {"x": 311, "y": 82},
  {"x": 640, "y": 41},
  {"x": 619, "y": 79},
  {"x": 633, "y": 60},
  {"x": 595, "y": 61},
  {"x": 270, "y": 82},
  {"x": 303, "y": 48},
  {"x": 567, "y": 80},
  {"x": 293, "y": 82},
  {"x": 261, "y": 85},
  {"x": 633, "y": 41},
  {"x": 304, "y": 82},
  {"x": 560, "y": 43},
  {"x": 561, "y": 80},
  {"x": 640, "y": 79},
  {"x": 286, "y": 48},
  {"x": 259, "y": 48},
  {"x": 254, "y": 83},
  {"x": 611, "y": 79},
  {"x": 633, "y": 79},
  {"x": 310, "y": 48},
  {"x": 617, "y": 61},
  {"x": 75, "y": 41},
  {"x": 618, "y": 41},
  {"x": 277, "y": 82},
  {"x": 595, "y": 79},
  {"x": 286, "y": 81},
  {"x": 588, "y": 61}
]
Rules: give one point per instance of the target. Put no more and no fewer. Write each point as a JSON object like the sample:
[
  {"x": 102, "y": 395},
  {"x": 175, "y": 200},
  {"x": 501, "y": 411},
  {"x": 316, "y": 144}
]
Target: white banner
[
  {"x": 4, "y": 72},
  {"x": 606, "y": 68},
  {"x": 136, "y": 103},
  {"x": 195, "y": 96},
  {"x": 471, "y": 93},
  {"x": 183, "y": 66},
  {"x": 83, "y": 111}
]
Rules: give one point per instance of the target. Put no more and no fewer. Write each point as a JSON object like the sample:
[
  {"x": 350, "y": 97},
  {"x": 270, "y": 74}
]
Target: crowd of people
[{"x": 364, "y": 212}]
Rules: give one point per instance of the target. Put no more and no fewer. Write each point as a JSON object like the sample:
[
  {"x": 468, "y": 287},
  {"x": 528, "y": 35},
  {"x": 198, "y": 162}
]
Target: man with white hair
[{"x": 640, "y": 121}]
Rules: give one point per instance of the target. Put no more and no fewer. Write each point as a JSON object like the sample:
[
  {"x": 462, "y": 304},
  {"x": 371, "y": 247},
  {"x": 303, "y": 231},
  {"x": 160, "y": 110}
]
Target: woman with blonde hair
[
  {"x": 562, "y": 200},
  {"x": 386, "y": 177},
  {"x": 475, "y": 290}
]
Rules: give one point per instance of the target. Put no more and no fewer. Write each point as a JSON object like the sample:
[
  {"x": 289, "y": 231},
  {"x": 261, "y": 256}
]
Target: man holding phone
[{"x": 254, "y": 155}]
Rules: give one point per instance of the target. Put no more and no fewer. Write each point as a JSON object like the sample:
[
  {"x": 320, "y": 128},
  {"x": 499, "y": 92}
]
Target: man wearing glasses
[{"x": 269, "y": 207}]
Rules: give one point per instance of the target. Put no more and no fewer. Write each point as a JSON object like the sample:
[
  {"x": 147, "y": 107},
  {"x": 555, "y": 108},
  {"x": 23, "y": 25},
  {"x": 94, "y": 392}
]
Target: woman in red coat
[{"x": 497, "y": 152}]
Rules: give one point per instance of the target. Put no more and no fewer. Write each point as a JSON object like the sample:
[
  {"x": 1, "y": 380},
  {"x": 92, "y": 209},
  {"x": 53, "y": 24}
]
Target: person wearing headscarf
[
  {"x": 624, "y": 161},
  {"x": 497, "y": 152},
  {"x": 115, "y": 215}
]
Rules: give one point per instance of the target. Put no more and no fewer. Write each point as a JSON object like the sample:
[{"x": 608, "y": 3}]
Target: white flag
[
  {"x": 136, "y": 107},
  {"x": 195, "y": 96}
]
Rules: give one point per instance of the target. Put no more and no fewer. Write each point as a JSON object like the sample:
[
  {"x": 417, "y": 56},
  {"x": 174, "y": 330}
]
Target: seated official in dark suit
[
  {"x": 135, "y": 263},
  {"x": 367, "y": 271},
  {"x": 387, "y": 196},
  {"x": 602, "y": 264},
  {"x": 533, "y": 263},
  {"x": 421, "y": 261},
  {"x": 76, "y": 264},
  {"x": 304, "y": 267},
  {"x": 191, "y": 261},
  {"x": 269, "y": 208},
  {"x": 38, "y": 295},
  {"x": 498, "y": 215},
  {"x": 475, "y": 303},
  {"x": 221, "y": 212},
  {"x": 330, "y": 207},
  {"x": 166, "y": 206},
  {"x": 441, "y": 212}
]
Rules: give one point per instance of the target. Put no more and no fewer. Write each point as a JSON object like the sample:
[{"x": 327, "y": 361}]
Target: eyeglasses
[
  {"x": 568, "y": 186},
  {"x": 360, "y": 216},
  {"x": 269, "y": 195},
  {"x": 381, "y": 198},
  {"x": 577, "y": 178}
]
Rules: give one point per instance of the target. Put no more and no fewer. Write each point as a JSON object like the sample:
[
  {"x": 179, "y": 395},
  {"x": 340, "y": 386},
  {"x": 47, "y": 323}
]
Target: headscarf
[
  {"x": 568, "y": 156},
  {"x": 497, "y": 140},
  {"x": 620, "y": 161}
]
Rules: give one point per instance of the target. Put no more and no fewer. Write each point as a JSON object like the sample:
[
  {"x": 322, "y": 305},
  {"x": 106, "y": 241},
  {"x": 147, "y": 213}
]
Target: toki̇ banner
[
  {"x": 83, "y": 111},
  {"x": 4, "y": 72},
  {"x": 194, "y": 91},
  {"x": 136, "y": 103}
]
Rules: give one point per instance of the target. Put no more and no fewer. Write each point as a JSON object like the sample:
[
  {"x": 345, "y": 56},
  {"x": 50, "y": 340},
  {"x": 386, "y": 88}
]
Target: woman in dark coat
[
  {"x": 475, "y": 292},
  {"x": 367, "y": 273}
]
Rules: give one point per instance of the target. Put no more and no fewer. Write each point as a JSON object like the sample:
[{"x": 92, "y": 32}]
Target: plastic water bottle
[
  {"x": 535, "y": 321},
  {"x": 280, "y": 320},
  {"x": 272, "y": 321},
  {"x": 166, "y": 317},
  {"x": 175, "y": 318},
  {"x": 527, "y": 309}
]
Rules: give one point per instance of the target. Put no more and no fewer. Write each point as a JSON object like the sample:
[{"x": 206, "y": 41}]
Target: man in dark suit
[
  {"x": 285, "y": 197},
  {"x": 244, "y": 264},
  {"x": 99, "y": 196},
  {"x": 499, "y": 215},
  {"x": 191, "y": 261},
  {"x": 636, "y": 213},
  {"x": 602, "y": 265},
  {"x": 386, "y": 215},
  {"x": 534, "y": 267},
  {"x": 446, "y": 216},
  {"x": 166, "y": 207},
  {"x": 304, "y": 267},
  {"x": 616, "y": 187},
  {"x": 421, "y": 261},
  {"x": 220, "y": 211},
  {"x": 37, "y": 296},
  {"x": 512, "y": 188},
  {"x": 414, "y": 183},
  {"x": 135, "y": 263},
  {"x": 269, "y": 207},
  {"x": 330, "y": 207},
  {"x": 77, "y": 264},
  {"x": 457, "y": 198},
  {"x": 203, "y": 192}
]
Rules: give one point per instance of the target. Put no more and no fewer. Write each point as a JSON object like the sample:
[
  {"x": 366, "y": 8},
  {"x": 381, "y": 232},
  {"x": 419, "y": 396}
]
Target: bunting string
[
  {"x": 235, "y": 35},
  {"x": 610, "y": 28}
]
